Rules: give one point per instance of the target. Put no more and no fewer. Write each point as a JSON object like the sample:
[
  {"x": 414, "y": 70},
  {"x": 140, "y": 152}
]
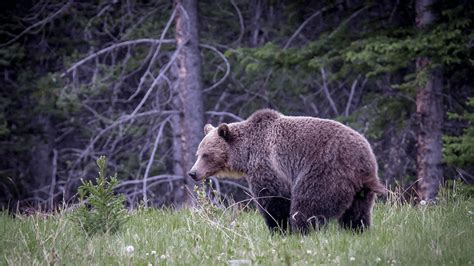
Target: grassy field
[{"x": 438, "y": 234}]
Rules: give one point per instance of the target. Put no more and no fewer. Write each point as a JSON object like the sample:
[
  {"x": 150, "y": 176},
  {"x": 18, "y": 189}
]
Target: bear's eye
[{"x": 205, "y": 156}]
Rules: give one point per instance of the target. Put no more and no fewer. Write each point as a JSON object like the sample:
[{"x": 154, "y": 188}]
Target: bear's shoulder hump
[{"x": 264, "y": 115}]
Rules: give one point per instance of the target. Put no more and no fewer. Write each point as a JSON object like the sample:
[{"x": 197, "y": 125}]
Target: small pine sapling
[{"x": 101, "y": 210}]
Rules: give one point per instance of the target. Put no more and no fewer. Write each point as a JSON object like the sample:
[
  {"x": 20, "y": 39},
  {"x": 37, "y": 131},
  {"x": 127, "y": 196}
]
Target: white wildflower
[
  {"x": 163, "y": 257},
  {"x": 239, "y": 262},
  {"x": 308, "y": 252},
  {"x": 129, "y": 249},
  {"x": 378, "y": 259},
  {"x": 352, "y": 259},
  {"x": 153, "y": 252},
  {"x": 423, "y": 202}
]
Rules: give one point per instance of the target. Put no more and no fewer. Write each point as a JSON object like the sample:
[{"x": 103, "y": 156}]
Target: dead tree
[
  {"x": 189, "y": 84},
  {"x": 429, "y": 110}
]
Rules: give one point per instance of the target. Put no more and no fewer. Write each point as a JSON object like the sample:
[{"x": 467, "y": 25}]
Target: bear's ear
[
  {"x": 223, "y": 131},
  {"x": 208, "y": 128}
]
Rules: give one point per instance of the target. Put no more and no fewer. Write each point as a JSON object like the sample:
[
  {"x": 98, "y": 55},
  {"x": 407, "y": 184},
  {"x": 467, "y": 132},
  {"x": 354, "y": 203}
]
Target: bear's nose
[{"x": 192, "y": 174}]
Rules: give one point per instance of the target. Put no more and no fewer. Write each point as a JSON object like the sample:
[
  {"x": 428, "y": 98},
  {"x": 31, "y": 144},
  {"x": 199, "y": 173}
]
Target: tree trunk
[
  {"x": 429, "y": 109},
  {"x": 256, "y": 5},
  {"x": 41, "y": 166},
  {"x": 189, "y": 83},
  {"x": 177, "y": 192}
]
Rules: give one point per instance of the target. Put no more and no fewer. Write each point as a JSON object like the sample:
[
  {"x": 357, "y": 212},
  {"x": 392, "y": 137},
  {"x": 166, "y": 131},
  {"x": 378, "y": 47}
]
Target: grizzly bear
[{"x": 301, "y": 171}]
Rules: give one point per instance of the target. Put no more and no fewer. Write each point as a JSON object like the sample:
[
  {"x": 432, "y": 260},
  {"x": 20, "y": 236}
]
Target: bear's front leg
[{"x": 273, "y": 200}]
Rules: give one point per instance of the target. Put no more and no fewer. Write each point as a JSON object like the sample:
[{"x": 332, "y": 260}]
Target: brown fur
[{"x": 301, "y": 170}]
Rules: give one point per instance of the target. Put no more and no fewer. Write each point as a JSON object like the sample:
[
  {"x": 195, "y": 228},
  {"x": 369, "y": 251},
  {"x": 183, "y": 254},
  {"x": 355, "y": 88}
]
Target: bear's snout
[{"x": 192, "y": 174}]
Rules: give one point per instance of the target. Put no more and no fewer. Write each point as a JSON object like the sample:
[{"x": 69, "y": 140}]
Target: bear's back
[{"x": 297, "y": 143}]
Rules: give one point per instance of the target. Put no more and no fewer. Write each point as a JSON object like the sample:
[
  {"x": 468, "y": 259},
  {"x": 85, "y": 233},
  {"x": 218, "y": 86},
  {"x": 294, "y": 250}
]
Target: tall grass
[{"x": 401, "y": 235}]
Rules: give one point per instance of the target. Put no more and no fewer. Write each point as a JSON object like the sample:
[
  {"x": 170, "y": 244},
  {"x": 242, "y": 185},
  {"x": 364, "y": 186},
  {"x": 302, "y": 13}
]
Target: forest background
[{"x": 137, "y": 80}]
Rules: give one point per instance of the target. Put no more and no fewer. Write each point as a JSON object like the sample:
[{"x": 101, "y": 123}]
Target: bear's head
[{"x": 213, "y": 153}]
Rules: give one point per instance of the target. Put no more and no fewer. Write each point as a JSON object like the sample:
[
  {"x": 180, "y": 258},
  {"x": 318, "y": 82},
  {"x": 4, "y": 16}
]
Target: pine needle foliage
[
  {"x": 103, "y": 211},
  {"x": 459, "y": 150}
]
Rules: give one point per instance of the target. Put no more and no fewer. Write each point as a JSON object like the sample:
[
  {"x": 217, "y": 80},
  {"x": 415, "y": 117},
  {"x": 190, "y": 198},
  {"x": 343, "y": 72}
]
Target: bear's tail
[{"x": 375, "y": 186}]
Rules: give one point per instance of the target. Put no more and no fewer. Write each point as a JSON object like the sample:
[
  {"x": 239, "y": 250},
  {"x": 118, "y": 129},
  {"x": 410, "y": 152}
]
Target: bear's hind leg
[
  {"x": 358, "y": 216},
  {"x": 316, "y": 200}
]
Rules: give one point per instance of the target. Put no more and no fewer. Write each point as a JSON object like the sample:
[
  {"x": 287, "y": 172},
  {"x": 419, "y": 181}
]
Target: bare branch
[
  {"x": 326, "y": 91},
  {"x": 241, "y": 22},
  {"x": 256, "y": 22},
  {"x": 226, "y": 63},
  {"x": 157, "y": 50},
  {"x": 345, "y": 22},
  {"x": 115, "y": 46},
  {"x": 53, "y": 179},
  {"x": 300, "y": 28},
  {"x": 119, "y": 121},
  {"x": 311, "y": 104},
  {"x": 38, "y": 24},
  {"x": 150, "y": 161},
  {"x": 157, "y": 79},
  {"x": 168, "y": 180},
  {"x": 96, "y": 114},
  {"x": 237, "y": 118},
  {"x": 150, "y": 179},
  {"x": 351, "y": 95}
]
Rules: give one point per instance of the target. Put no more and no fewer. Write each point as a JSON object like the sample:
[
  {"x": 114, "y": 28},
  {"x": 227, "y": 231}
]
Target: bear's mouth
[{"x": 227, "y": 173}]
